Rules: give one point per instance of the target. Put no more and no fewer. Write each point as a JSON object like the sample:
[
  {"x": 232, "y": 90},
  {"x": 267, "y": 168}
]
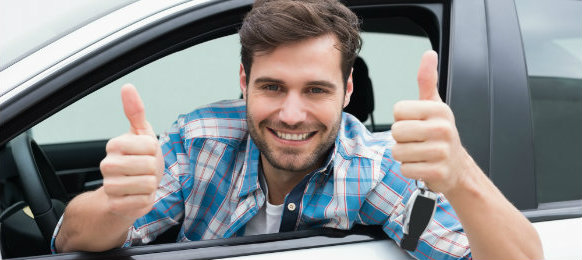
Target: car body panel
[
  {"x": 556, "y": 244},
  {"x": 80, "y": 42},
  {"x": 367, "y": 250}
]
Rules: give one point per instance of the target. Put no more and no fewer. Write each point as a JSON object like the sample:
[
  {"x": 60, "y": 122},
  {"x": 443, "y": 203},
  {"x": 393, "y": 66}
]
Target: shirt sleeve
[
  {"x": 168, "y": 209},
  {"x": 54, "y": 237},
  {"x": 443, "y": 238}
]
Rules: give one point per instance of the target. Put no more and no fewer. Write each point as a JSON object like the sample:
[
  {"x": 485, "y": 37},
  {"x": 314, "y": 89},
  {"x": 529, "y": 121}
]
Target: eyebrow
[
  {"x": 268, "y": 80},
  {"x": 322, "y": 83}
]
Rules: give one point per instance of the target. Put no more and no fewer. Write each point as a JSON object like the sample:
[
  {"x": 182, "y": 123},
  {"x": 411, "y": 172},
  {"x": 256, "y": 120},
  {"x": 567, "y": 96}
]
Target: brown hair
[{"x": 272, "y": 23}]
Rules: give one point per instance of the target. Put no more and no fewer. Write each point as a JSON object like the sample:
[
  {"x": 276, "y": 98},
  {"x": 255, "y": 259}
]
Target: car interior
[{"x": 40, "y": 179}]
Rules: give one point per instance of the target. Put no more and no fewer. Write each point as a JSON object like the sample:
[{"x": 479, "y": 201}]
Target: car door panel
[{"x": 77, "y": 164}]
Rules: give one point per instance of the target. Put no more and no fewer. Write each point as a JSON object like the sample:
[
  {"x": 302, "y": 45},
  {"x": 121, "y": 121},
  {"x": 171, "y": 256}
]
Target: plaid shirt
[{"x": 211, "y": 185}]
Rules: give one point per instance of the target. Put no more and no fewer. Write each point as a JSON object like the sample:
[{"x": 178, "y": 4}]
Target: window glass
[
  {"x": 175, "y": 84},
  {"x": 552, "y": 38}
]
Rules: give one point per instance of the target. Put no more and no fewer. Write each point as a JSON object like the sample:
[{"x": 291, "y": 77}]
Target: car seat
[{"x": 362, "y": 100}]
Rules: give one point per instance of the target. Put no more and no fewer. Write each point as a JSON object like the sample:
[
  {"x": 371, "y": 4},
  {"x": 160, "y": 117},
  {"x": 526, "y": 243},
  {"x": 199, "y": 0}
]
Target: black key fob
[{"x": 418, "y": 212}]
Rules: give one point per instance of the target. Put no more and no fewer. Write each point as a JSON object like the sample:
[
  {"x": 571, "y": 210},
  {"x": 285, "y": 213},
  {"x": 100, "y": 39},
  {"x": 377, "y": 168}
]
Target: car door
[
  {"x": 515, "y": 90},
  {"x": 189, "y": 51}
]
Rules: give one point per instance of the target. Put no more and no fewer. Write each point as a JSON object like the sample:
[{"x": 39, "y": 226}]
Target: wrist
[{"x": 468, "y": 181}]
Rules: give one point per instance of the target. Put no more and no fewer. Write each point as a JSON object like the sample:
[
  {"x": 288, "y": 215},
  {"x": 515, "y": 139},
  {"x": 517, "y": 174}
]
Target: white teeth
[{"x": 292, "y": 137}]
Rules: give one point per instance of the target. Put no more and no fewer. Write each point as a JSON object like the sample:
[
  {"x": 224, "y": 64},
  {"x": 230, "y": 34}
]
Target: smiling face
[{"x": 294, "y": 101}]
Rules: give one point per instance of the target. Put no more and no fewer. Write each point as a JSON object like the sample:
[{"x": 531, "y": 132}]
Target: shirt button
[{"x": 291, "y": 206}]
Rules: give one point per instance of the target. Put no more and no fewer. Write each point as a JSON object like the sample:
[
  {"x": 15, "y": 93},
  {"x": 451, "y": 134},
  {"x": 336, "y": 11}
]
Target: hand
[
  {"x": 427, "y": 140},
  {"x": 134, "y": 164}
]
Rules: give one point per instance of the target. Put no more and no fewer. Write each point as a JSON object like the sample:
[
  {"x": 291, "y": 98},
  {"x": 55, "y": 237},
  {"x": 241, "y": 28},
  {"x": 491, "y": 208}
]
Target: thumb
[
  {"x": 134, "y": 111},
  {"x": 428, "y": 77}
]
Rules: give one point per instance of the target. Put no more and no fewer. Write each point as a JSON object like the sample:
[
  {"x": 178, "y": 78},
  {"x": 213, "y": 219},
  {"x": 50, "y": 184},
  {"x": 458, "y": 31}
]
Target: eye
[
  {"x": 316, "y": 90},
  {"x": 271, "y": 87}
]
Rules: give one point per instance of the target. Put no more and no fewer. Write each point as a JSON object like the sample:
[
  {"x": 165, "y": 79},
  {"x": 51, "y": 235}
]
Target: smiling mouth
[{"x": 292, "y": 137}]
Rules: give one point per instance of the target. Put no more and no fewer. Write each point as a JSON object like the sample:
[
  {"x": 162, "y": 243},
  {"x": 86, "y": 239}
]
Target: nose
[{"x": 292, "y": 109}]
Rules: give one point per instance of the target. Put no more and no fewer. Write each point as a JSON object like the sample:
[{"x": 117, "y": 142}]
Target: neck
[{"x": 280, "y": 182}]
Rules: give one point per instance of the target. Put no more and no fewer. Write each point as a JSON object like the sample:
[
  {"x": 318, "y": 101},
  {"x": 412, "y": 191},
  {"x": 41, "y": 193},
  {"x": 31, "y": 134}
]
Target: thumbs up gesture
[
  {"x": 134, "y": 164},
  {"x": 427, "y": 140}
]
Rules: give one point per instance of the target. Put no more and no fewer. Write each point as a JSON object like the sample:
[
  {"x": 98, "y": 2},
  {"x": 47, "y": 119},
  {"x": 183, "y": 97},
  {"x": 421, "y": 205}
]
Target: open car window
[
  {"x": 175, "y": 84},
  {"x": 195, "y": 64},
  {"x": 208, "y": 72}
]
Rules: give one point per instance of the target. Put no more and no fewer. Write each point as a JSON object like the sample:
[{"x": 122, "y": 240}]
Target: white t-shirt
[{"x": 268, "y": 219}]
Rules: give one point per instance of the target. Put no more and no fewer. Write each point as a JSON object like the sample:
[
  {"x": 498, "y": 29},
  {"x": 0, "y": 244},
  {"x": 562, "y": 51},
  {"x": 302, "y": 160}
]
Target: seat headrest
[{"x": 362, "y": 100}]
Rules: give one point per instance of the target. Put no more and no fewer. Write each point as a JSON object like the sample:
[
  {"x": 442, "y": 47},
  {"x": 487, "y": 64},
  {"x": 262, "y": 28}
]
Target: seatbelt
[{"x": 419, "y": 211}]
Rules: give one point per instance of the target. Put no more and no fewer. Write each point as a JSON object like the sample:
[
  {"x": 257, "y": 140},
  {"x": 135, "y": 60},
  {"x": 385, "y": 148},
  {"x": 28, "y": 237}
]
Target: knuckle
[
  {"x": 151, "y": 184},
  {"x": 116, "y": 205},
  {"x": 110, "y": 186},
  {"x": 114, "y": 145},
  {"x": 445, "y": 151},
  {"x": 395, "y": 126},
  {"x": 442, "y": 129},
  {"x": 396, "y": 152},
  {"x": 399, "y": 108},
  {"x": 439, "y": 151},
  {"x": 438, "y": 172},
  {"x": 151, "y": 164},
  {"x": 405, "y": 170},
  {"x": 396, "y": 131},
  {"x": 151, "y": 144},
  {"x": 107, "y": 186},
  {"x": 107, "y": 166}
]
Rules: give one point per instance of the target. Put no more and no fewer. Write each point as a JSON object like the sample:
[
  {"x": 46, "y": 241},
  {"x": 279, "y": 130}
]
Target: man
[{"x": 287, "y": 158}]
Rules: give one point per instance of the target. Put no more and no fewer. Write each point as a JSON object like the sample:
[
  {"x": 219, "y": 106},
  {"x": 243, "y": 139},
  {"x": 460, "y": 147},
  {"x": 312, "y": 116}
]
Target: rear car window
[{"x": 552, "y": 39}]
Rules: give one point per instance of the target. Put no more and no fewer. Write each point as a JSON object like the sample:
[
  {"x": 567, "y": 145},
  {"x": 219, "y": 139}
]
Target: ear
[
  {"x": 243, "y": 81},
  {"x": 349, "y": 89}
]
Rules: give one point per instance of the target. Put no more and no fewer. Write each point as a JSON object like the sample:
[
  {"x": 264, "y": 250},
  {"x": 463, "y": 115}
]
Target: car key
[{"x": 419, "y": 211}]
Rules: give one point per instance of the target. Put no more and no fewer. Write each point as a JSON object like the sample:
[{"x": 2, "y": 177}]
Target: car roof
[
  {"x": 38, "y": 28},
  {"x": 88, "y": 38}
]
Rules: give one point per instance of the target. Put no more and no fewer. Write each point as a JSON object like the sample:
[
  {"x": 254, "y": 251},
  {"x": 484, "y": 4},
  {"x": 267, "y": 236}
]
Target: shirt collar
[{"x": 250, "y": 170}]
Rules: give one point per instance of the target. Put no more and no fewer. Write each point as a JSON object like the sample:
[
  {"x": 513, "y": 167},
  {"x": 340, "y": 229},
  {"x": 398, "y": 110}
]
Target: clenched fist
[
  {"x": 428, "y": 144},
  {"x": 134, "y": 164}
]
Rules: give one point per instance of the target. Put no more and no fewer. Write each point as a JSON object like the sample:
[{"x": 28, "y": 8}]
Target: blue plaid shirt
[{"x": 211, "y": 185}]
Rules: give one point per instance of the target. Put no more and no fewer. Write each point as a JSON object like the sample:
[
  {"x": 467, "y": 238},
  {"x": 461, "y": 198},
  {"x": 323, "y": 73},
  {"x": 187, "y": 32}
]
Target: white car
[{"x": 510, "y": 70}]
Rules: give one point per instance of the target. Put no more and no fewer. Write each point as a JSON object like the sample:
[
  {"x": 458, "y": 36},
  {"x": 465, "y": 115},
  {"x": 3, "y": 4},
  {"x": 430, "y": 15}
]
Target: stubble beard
[{"x": 291, "y": 159}]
